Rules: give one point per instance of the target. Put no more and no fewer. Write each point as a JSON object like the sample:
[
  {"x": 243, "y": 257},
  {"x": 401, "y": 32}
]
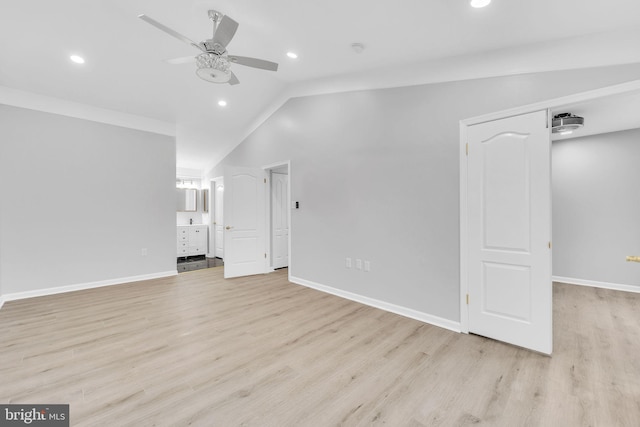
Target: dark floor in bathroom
[{"x": 197, "y": 263}]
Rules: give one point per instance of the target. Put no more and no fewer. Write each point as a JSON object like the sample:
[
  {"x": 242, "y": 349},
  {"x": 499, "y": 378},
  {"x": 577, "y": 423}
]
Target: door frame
[
  {"x": 268, "y": 169},
  {"x": 212, "y": 215},
  {"x": 565, "y": 101}
]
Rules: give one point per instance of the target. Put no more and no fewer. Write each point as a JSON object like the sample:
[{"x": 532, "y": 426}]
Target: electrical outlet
[
  {"x": 359, "y": 264},
  {"x": 144, "y": 252},
  {"x": 347, "y": 263},
  {"x": 367, "y": 266}
]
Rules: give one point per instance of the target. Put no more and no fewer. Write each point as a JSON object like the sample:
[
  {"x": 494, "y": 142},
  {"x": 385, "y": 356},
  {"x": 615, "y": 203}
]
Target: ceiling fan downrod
[{"x": 215, "y": 16}]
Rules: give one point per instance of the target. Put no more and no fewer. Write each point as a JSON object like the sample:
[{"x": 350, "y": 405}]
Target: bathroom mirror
[{"x": 187, "y": 199}]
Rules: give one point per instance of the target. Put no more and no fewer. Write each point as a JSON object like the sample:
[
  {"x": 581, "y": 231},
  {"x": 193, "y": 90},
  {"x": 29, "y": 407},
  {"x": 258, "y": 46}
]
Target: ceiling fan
[{"x": 213, "y": 61}]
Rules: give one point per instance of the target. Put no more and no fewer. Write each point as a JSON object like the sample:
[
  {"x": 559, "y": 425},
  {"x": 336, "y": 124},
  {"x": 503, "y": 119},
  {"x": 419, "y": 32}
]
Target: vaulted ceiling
[{"x": 406, "y": 42}]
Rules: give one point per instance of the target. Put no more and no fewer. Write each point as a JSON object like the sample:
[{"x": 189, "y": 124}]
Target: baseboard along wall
[
  {"x": 382, "y": 305},
  {"x": 596, "y": 284},
  {"x": 83, "y": 286}
]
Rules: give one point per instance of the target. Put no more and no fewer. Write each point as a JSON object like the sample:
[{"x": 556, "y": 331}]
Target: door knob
[{"x": 228, "y": 227}]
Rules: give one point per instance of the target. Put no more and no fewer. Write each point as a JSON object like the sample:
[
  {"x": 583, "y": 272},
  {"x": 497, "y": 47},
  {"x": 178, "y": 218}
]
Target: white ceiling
[{"x": 407, "y": 42}]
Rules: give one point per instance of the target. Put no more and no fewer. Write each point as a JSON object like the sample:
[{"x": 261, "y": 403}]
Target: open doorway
[
  {"x": 256, "y": 219},
  {"x": 279, "y": 222},
  {"x": 215, "y": 252},
  {"x": 469, "y": 270},
  {"x": 595, "y": 176}
]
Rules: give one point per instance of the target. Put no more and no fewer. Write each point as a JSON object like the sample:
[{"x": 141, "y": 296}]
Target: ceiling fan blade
[
  {"x": 183, "y": 60},
  {"x": 234, "y": 80},
  {"x": 225, "y": 32},
  {"x": 254, "y": 62},
  {"x": 170, "y": 31}
]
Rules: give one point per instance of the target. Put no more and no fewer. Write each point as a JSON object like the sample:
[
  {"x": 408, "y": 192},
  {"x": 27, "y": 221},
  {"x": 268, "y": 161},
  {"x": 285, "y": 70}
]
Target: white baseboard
[
  {"x": 382, "y": 305},
  {"x": 83, "y": 286},
  {"x": 595, "y": 284}
]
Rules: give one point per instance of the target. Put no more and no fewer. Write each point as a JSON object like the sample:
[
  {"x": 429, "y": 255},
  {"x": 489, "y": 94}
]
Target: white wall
[
  {"x": 80, "y": 199},
  {"x": 376, "y": 173},
  {"x": 596, "y": 208}
]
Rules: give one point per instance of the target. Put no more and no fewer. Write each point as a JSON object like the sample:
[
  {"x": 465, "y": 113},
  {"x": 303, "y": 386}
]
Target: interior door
[
  {"x": 509, "y": 226},
  {"x": 244, "y": 219},
  {"x": 280, "y": 219},
  {"x": 218, "y": 218}
]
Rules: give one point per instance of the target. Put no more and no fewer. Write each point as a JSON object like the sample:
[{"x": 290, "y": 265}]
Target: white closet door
[{"x": 509, "y": 226}]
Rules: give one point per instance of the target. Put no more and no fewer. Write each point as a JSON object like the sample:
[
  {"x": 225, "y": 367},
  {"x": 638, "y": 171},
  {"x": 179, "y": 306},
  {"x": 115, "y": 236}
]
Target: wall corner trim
[
  {"x": 83, "y": 286},
  {"x": 382, "y": 305},
  {"x": 596, "y": 284}
]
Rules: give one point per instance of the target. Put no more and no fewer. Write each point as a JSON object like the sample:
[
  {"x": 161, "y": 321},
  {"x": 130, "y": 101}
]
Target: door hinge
[
  {"x": 467, "y": 148},
  {"x": 549, "y": 245},
  {"x": 265, "y": 180},
  {"x": 467, "y": 299},
  {"x": 265, "y": 254}
]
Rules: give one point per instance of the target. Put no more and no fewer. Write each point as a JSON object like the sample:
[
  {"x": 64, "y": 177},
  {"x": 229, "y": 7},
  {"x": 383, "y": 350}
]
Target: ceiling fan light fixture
[{"x": 213, "y": 68}]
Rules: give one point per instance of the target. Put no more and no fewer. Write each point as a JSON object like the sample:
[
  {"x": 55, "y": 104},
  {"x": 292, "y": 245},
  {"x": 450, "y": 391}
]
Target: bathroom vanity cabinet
[{"x": 192, "y": 240}]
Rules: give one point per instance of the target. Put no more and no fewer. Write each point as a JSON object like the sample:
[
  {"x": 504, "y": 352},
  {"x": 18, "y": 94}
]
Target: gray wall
[
  {"x": 80, "y": 200},
  {"x": 377, "y": 176},
  {"x": 596, "y": 207}
]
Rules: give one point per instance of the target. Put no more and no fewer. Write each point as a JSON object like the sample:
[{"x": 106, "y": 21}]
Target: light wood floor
[{"x": 200, "y": 350}]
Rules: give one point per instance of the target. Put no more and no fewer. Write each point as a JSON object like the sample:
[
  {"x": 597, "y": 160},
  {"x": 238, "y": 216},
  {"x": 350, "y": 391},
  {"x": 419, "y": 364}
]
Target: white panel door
[
  {"x": 280, "y": 219},
  {"x": 218, "y": 218},
  {"x": 244, "y": 219},
  {"x": 509, "y": 226}
]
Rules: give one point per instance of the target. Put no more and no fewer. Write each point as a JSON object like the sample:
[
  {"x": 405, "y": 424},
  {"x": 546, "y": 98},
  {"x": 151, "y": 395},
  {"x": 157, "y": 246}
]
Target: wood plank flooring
[{"x": 196, "y": 349}]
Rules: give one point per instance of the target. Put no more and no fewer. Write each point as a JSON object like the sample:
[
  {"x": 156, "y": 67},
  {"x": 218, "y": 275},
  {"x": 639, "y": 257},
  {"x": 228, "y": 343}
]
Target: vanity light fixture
[{"x": 480, "y": 3}]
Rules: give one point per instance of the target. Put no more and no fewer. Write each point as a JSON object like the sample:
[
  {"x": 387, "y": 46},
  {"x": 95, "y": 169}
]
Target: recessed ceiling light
[
  {"x": 292, "y": 55},
  {"x": 77, "y": 59},
  {"x": 222, "y": 103},
  {"x": 480, "y": 3}
]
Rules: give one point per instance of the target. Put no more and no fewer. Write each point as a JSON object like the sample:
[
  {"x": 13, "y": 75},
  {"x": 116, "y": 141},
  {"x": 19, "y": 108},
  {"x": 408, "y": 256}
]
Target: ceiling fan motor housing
[{"x": 213, "y": 47}]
